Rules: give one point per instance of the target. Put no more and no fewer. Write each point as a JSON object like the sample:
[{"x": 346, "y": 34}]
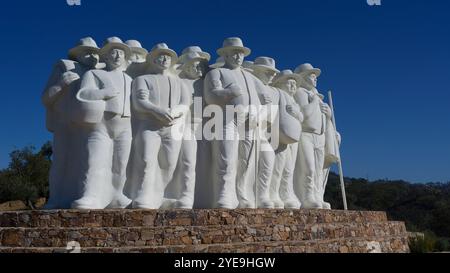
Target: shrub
[{"x": 26, "y": 177}]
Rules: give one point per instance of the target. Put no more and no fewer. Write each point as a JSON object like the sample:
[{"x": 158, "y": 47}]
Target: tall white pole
[
  {"x": 341, "y": 174},
  {"x": 256, "y": 166}
]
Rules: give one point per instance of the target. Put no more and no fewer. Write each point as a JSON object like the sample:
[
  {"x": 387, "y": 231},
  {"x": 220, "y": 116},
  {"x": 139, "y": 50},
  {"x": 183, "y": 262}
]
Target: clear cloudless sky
[{"x": 388, "y": 66}]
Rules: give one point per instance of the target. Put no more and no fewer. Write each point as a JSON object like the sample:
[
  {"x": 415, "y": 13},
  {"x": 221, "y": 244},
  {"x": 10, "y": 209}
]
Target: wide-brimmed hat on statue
[
  {"x": 159, "y": 49},
  {"x": 248, "y": 65},
  {"x": 231, "y": 44},
  {"x": 306, "y": 69},
  {"x": 265, "y": 63},
  {"x": 115, "y": 42},
  {"x": 86, "y": 44},
  {"x": 192, "y": 57},
  {"x": 136, "y": 47},
  {"x": 285, "y": 75},
  {"x": 193, "y": 49}
]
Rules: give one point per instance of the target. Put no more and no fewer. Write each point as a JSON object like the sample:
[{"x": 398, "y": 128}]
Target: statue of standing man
[
  {"x": 159, "y": 106},
  {"x": 309, "y": 178},
  {"x": 104, "y": 98},
  {"x": 234, "y": 152},
  {"x": 286, "y": 154},
  {"x": 137, "y": 64},
  {"x": 58, "y": 96},
  {"x": 193, "y": 67}
]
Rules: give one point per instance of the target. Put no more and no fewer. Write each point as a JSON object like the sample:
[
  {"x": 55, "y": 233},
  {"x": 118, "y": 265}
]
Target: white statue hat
[
  {"x": 233, "y": 43},
  {"x": 115, "y": 42},
  {"x": 247, "y": 65},
  {"x": 84, "y": 44},
  {"x": 195, "y": 49},
  {"x": 266, "y": 63},
  {"x": 286, "y": 75},
  {"x": 192, "y": 57},
  {"x": 162, "y": 48},
  {"x": 136, "y": 46},
  {"x": 219, "y": 63},
  {"x": 306, "y": 69}
]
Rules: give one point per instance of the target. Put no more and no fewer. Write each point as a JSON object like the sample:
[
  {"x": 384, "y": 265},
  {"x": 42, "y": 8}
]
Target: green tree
[{"x": 26, "y": 177}]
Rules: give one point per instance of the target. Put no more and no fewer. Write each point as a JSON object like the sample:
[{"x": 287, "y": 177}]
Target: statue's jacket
[
  {"x": 92, "y": 111},
  {"x": 153, "y": 84},
  {"x": 194, "y": 89},
  {"x": 216, "y": 89},
  {"x": 316, "y": 123},
  {"x": 290, "y": 127},
  {"x": 314, "y": 120},
  {"x": 57, "y": 105}
]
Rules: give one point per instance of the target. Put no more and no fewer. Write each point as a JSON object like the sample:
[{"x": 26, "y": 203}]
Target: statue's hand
[
  {"x": 241, "y": 116},
  {"x": 176, "y": 112},
  {"x": 267, "y": 99},
  {"x": 314, "y": 98},
  {"x": 338, "y": 138},
  {"x": 290, "y": 110},
  {"x": 143, "y": 94},
  {"x": 68, "y": 77},
  {"x": 294, "y": 112},
  {"x": 163, "y": 115},
  {"x": 235, "y": 90},
  {"x": 252, "y": 120},
  {"x": 301, "y": 117},
  {"x": 325, "y": 109}
]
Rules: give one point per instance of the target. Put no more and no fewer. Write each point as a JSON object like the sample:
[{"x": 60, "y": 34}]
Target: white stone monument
[{"x": 149, "y": 130}]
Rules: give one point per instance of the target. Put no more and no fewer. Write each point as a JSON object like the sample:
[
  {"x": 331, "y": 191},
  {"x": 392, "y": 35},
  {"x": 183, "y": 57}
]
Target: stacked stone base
[{"x": 216, "y": 231}]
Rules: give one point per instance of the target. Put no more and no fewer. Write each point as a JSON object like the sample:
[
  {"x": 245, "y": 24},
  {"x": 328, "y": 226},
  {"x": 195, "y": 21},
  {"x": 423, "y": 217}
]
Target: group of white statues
[{"x": 138, "y": 129}]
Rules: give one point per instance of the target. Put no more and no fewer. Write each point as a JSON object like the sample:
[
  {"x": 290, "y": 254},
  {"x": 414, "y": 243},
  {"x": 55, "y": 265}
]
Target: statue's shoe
[
  {"x": 168, "y": 203},
  {"x": 326, "y": 205},
  {"x": 184, "y": 203},
  {"x": 86, "y": 203},
  {"x": 265, "y": 204},
  {"x": 140, "y": 205},
  {"x": 120, "y": 202},
  {"x": 292, "y": 204},
  {"x": 225, "y": 203},
  {"x": 278, "y": 204},
  {"x": 310, "y": 203},
  {"x": 245, "y": 204}
]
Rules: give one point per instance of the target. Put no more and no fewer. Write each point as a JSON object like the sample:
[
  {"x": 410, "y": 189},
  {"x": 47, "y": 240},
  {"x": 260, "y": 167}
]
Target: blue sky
[{"x": 388, "y": 66}]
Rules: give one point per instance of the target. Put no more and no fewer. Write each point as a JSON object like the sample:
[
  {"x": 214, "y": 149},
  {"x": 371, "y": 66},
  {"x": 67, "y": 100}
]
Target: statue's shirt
[
  {"x": 57, "y": 106},
  {"x": 221, "y": 79},
  {"x": 195, "y": 90},
  {"x": 239, "y": 79},
  {"x": 120, "y": 104},
  {"x": 94, "y": 80},
  {"x": 118, "y": 81},
  {"x": 314, "y": 120},
  {"x": 164, "y": 91}
]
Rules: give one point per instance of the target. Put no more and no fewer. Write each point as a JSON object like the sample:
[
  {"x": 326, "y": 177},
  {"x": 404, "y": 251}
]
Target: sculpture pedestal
[{"x": 209, "y": 230}]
